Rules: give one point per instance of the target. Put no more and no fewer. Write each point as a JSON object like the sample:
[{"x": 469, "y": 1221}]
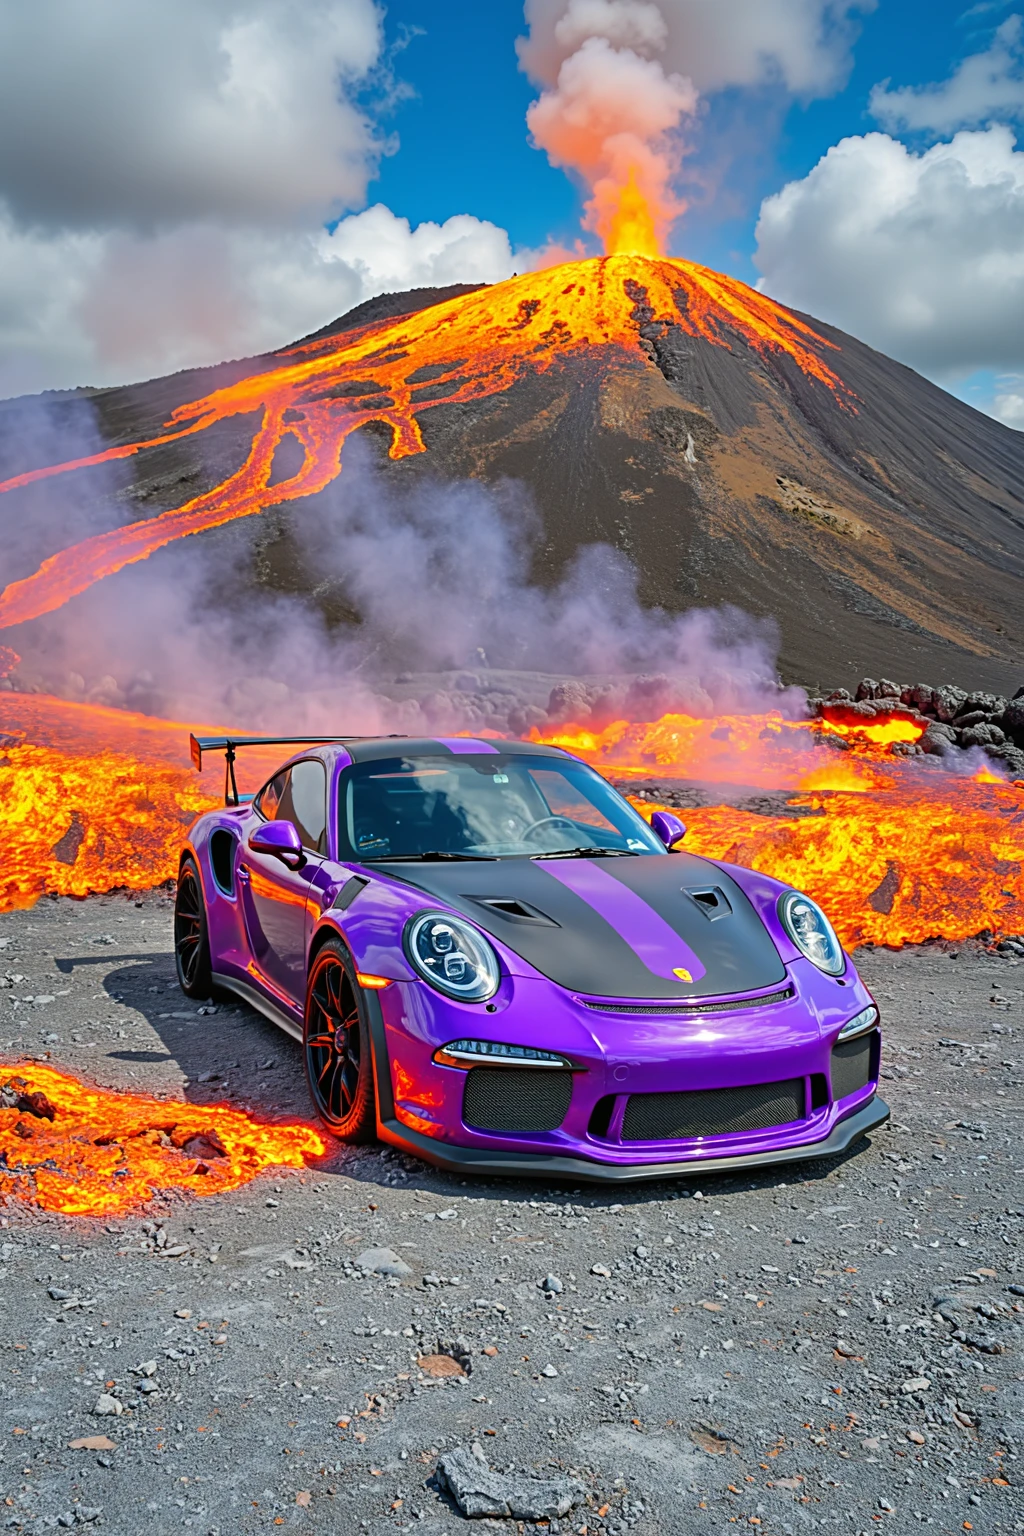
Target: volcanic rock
[
  {"x": 12, "y": 1096},
  {"x": 481, "y": 1493},
  {"x": 734, "y": 450}
]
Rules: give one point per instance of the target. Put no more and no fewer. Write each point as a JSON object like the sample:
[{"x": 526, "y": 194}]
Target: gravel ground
[{"x": 839, "y": 1347}]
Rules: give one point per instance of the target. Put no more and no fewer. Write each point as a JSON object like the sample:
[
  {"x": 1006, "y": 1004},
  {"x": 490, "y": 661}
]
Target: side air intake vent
[
  {"x": 499, "y": 1099},
  {"x": 222, "y": 857},
  {"x": 854, "y": 1064}
]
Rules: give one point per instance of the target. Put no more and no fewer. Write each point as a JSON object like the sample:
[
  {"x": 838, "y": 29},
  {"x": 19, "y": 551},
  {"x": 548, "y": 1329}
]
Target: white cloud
[
  {"x": 167, "y": 176},
  {"x": 801, "y": 44},
  {"x": 984, "y": 86},
  {"x": 122, "y": 114},
  {"x": 103, "y": 309},
  {"x": 921, "y": 255},
  {"x": 1008, "y": 405}
]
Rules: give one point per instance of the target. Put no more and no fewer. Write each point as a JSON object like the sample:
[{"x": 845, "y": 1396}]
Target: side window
[
  {"x": 304, "y": 801},
  {"x": 269, "y": 799}
]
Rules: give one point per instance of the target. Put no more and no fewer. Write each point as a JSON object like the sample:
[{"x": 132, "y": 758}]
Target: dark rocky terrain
[
  {"x": 887, "y": 538},
  {"x": 835, "y": 1349}
]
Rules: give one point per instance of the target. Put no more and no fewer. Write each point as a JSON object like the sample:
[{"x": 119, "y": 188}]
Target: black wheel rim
[
  {"x": 332, "y": 1041},
  {"x": 188, "y": 925}
]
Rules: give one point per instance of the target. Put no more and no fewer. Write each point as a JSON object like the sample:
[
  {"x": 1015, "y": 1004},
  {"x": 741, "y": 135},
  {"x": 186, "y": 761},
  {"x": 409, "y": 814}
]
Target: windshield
[{"x": 488, "y": 807}]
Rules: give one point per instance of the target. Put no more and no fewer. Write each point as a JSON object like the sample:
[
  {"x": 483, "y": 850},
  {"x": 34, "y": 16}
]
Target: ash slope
[{"x": 884, "y": 536}]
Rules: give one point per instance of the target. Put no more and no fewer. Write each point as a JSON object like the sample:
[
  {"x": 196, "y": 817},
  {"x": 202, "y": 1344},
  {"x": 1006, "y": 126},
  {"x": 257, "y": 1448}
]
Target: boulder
[
  {"x": 938, "y": 739},
  {"x": 981, "y": 735},
  {"x": 947, "y": 701}
]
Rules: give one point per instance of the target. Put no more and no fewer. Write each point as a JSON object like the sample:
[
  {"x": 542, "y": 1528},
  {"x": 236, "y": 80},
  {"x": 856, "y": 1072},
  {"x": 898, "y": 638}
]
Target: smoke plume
[{"x": 612, "y": 115}]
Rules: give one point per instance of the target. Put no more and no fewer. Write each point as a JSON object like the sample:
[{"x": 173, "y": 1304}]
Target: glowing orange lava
[
  {"x": 895, "y": 852},
  {"x": 631, "y": 230},
  {"x": 894, "y": 866},
  {"x": 104, "y": 1153},
  {"x": 760, "y": 751},
  {"x": 475, "y": 345},
  {"x": 93, "y": 798}
]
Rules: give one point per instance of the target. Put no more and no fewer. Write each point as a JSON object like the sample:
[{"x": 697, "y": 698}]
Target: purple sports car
[{"x": 492, "y": 961}]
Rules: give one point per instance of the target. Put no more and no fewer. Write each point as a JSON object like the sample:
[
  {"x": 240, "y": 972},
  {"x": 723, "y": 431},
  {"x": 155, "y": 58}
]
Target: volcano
[{"x": 737, "y": 452}]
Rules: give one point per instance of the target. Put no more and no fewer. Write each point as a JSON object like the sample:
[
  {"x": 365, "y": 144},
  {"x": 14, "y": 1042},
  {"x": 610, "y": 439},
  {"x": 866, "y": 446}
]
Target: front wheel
[
  {"x": 191, "y": 934},
  {"x": 336, "y": 1047}
]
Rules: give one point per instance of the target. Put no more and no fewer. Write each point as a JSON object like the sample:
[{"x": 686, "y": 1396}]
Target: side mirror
[
  {"x": 668, "y": 827},
  {"x": 278, "y": 840}
]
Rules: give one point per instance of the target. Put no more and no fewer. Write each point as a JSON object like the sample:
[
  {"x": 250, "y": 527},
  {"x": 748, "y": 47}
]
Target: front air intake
[
  {"x": 712, "y": 1112},
  {"x": 504, "y": 1099}
]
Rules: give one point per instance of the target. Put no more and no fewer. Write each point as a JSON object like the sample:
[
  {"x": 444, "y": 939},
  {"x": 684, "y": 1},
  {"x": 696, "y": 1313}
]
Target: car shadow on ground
[{"x": 234, "y": 1055}]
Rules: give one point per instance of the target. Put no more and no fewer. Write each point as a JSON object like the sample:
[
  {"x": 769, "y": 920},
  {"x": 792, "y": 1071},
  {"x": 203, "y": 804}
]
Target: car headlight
[
  {"x": 812, "y": 933},
  {"x": 453, "y": 956}
]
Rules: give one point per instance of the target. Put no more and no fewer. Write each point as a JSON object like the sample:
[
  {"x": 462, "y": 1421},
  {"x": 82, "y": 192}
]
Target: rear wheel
[
  {"x": 191, "y": 935},
  {"x": 336, "y": 1047}
]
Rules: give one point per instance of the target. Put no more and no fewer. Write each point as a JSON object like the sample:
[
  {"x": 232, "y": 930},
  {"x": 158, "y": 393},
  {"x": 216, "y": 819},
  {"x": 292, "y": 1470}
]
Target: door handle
[{"x": 243, "y": 874}]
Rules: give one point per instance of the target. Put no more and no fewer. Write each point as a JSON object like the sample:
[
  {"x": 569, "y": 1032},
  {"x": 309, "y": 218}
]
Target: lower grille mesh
[
  {"x": 712, "y": 1112},
  {"x": 851, "y": 1065},
  {"x": 510, "y": 1099}
]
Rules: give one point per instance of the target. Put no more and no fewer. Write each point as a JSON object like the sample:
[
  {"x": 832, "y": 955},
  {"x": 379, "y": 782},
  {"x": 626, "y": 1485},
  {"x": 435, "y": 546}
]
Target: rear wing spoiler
[{"x": 230, "y": 744}]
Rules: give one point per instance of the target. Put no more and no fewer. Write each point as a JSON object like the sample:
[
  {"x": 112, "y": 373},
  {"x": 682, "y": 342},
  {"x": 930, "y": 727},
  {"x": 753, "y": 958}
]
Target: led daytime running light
[
  {"x": 860, "y": 1023},
  {"x": 463, "y": 1053}
]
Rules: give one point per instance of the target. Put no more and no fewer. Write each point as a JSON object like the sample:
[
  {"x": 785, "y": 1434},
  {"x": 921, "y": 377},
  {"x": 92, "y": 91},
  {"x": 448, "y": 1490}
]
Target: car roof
[{"x": 372, "y": 749}]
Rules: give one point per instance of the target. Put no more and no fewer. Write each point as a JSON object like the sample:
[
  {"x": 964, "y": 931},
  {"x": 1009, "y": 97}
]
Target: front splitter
[{"x": 582, "y": 1170}]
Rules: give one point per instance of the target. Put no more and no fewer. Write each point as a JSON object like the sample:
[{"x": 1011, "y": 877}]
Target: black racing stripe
[
  {"x": 736, "y": 949},
  {"x": 584, "y": 953}
]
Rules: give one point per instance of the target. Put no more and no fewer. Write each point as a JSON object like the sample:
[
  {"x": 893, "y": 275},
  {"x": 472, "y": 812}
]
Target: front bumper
[
  {"x": 570, "y": 1152},
  {"x": 581, "y": 1170}
]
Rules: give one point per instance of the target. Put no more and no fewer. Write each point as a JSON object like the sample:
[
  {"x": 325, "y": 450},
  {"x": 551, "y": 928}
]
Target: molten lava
[
  {"x": 896, "y": 852},
  {"x": 94, "y": 798},
  {"x": 89, "y": 1152},
  {"x": 630, "y": 224},
  {"x": 894, "y": 866},
  {"x": 475, "y": 346}
]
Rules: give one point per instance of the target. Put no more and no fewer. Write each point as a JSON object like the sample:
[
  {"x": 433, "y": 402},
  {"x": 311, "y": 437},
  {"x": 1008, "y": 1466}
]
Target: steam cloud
[{"x": 408, "y": 610}]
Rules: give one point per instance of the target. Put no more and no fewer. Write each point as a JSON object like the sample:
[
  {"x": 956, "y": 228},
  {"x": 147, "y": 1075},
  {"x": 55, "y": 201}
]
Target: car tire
[
  {"x": 336, "y": 1049},
  {"x": 191, "y": 933}
]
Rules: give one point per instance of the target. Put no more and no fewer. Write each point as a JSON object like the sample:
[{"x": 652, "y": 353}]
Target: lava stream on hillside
[
  {"x": 468, "y": 348},
  {"x": 89, "y": 1152}
]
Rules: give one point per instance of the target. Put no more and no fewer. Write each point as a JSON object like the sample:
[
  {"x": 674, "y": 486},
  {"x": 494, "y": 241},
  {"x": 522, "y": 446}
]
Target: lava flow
[
  {"x": 468, "y": 348},
  {"x": 897, "y": 850},
  {"x": 89, "y": 1152},
  {"x": 94, "y": 798}
]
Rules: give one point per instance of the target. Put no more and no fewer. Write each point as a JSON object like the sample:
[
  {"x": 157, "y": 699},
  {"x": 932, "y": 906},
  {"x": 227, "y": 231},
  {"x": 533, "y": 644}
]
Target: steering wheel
[{"x": 545, "y": 821}]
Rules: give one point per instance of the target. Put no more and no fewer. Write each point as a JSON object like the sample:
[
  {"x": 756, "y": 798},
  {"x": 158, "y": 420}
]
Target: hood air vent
[{"x": 515, "y": 910}]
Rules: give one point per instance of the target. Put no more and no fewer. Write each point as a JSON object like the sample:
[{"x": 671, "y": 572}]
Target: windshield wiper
[
  {"x": 589, "y": 853},
  {"x": 432, "y": 857}
]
